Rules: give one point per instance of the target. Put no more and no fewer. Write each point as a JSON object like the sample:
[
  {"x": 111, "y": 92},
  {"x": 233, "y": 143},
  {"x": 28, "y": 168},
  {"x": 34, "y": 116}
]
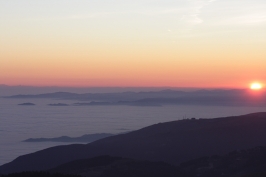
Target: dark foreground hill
[
  {"x": 38, "y": 174},
  {"x": 250, "y": 162},
  {"x": 240, "y": 163},
  {"x": 106, "y": 166},
  {"x": 171, "y": 142}
]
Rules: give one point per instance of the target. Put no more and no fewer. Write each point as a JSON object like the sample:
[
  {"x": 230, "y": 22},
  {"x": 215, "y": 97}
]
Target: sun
[{"x": 256, "y": 86}]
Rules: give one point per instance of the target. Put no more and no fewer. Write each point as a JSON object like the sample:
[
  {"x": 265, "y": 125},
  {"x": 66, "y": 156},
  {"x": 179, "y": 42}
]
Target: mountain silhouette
[
  {"x": 172, "y": 142},
  {"x": 239, "y": 163},
  {"x": 106, "y": 166},
  {"x": 218, "y": 97},
  {"x": 26, "y": 104},
  {"x": 84, "y": 138}
]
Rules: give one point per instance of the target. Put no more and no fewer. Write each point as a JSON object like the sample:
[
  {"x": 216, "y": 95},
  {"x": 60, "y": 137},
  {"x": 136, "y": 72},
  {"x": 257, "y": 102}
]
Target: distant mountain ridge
[
  {"x": 85, "y": 138},
  {"x": 218, "y": 97},
  {"x": 27, "y": 104},
  {"x": 6, "y": 90},
  {"x": 172, "y": 142}
]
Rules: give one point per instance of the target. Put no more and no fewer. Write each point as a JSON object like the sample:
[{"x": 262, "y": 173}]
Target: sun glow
[{"x": 256, "y": 86}]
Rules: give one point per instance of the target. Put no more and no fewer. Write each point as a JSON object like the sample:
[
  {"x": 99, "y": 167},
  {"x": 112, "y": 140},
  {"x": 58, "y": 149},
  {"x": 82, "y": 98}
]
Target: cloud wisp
[
  {"x": 188, "y": 13},
  {"x": 249, "y": 19},
  {"x": 194, "y": 11}
]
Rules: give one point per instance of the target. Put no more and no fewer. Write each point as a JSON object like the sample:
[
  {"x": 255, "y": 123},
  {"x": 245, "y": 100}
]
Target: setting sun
[{"x": 256, "y": 86}]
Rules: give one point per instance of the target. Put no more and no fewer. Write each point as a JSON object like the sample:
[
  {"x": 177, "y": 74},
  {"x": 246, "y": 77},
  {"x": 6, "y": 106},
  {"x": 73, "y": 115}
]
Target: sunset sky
[{"x": 139, "y": 43}]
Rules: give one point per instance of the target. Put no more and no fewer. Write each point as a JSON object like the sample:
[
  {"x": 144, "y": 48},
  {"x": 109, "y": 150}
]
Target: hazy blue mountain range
[
  {"x": 27, "y": 104},
  {"x": 58, "y": 104},
  {"x": 85, "y": 138},
  {"x": 172, "y": 142},
  {"x": 218, "y": 97},
  {"x": 6, "y": 90}
]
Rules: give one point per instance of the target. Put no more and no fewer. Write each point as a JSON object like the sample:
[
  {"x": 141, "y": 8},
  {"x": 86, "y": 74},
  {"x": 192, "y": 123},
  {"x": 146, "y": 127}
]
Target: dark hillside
[
  {"x": 234, "y": 164},
  {"x": 106, "y": 166},
  {"x": 171, "y": 142},
  {"x": 38, "y": 174}
]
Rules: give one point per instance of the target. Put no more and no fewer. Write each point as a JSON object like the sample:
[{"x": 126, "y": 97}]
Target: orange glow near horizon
[{"x": 122, "y": 44}]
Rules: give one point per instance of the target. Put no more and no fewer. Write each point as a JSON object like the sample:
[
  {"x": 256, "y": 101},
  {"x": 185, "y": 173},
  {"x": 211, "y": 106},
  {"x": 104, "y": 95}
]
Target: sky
[{"x": 138, "y": 43}]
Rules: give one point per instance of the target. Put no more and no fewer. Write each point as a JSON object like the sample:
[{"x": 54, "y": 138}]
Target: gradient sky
[{"x": 177, "y": 43}]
